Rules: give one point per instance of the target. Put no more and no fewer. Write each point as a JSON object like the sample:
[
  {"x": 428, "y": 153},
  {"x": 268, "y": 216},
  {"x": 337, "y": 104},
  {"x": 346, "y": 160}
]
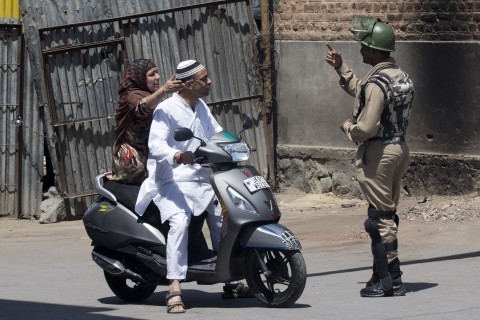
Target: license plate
[{"x": 255, "y": 183}]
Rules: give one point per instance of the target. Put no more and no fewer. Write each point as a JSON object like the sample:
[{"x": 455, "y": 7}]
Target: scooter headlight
[
  {"x": 240, "y": 202},
  {"x": 239, "y": 151}
]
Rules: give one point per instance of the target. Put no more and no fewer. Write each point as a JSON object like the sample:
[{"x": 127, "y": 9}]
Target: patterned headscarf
[{"x": 135, "y": 77}]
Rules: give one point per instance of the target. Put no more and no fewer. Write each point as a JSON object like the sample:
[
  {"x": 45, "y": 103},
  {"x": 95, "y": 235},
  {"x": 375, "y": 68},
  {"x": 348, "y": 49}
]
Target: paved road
[{"x": 47, "y": 273}]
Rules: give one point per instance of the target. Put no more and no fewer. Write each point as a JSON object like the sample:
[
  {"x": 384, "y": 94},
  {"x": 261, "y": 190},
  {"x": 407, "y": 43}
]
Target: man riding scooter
[{"x": 178, "y": 186}]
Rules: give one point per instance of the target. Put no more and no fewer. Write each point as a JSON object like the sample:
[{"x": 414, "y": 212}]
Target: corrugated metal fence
[
  {"x": 21, "y": 130},
  {"x": 84, "y": 62},
  {"x": 10, "y": 51}
]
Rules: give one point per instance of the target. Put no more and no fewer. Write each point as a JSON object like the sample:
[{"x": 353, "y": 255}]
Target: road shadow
[
  {"x": 14, "y": 310},
  {"x": 459, "y": 256},
  {"x": 418, "y": 286},
  {"x": 199, "y": 299},
  {"x": 415, "y": 286}
]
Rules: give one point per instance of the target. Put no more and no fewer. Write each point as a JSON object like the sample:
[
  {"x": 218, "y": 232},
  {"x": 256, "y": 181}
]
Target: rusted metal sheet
[
  {"x": 31, "y": 147},
  {"x": 10, "y": 53},
  {"x": 21, "y": 130},
  {"x": 84, "y": 62}
]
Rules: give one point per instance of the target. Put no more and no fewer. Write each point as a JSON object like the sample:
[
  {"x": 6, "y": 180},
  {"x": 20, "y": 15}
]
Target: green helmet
[{"x": 373, "y": 33}]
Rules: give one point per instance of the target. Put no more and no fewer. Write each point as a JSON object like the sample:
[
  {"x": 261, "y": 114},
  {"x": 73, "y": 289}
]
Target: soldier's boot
[
  {"x": 385, "y": 272},
  {"x": 383, "y": 288},
  {"x": 380, "y": 287}
]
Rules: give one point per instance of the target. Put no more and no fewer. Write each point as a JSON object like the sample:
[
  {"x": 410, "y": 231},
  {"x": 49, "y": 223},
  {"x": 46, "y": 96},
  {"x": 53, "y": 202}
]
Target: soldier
[{"x": 383, "y": 101}]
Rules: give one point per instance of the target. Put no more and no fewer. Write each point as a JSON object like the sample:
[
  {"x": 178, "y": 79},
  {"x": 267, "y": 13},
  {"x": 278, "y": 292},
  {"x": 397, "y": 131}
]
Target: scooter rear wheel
[
  {"x": 127, "y": 290},
  {"x": 287, "y": 278}
]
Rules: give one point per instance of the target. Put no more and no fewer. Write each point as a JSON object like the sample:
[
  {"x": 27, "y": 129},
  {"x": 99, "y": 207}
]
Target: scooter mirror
[{"x": 182, "y": 134}]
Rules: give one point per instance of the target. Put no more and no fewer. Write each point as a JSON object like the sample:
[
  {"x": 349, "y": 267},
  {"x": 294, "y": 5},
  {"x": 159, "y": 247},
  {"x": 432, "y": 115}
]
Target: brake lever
[{"x": 199, "y": 159}]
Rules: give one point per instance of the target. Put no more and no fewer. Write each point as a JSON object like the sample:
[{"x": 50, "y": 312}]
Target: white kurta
[{"x": 177, "y": 187}]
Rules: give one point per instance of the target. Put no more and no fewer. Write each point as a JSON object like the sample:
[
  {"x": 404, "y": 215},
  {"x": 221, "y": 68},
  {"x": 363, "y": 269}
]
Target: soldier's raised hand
[{"x": 333, "y": 57}]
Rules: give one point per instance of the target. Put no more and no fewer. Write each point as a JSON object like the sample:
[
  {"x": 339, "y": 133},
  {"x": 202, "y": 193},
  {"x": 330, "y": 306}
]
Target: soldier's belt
[{"x": 389, "y": 140}]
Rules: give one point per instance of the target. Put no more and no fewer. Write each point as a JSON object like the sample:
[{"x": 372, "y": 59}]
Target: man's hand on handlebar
[{"x": 186, "y": 157}]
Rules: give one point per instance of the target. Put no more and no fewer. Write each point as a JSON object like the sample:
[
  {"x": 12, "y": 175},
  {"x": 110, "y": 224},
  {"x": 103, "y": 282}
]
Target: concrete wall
[
  {"x": 445, "y": 113},
  {"x": 443, "y": 128}
]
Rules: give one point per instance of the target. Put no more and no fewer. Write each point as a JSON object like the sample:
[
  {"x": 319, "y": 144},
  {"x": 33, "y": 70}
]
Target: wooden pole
[{"x": 267, "y": 37}]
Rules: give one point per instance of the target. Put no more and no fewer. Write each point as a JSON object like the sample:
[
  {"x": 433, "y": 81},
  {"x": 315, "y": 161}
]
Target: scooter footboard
[{"x": 274, "y": 236}]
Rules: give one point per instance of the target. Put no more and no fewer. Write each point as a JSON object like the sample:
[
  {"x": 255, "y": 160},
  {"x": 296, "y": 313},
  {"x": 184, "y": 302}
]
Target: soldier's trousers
[{"x": 379, "y": 171}]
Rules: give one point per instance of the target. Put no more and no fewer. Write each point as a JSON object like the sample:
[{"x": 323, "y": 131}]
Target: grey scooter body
[
  {"x": 116, "y": 231},
  {"x": 127, "y": 246},
  {"x": 246, "y": 230}
]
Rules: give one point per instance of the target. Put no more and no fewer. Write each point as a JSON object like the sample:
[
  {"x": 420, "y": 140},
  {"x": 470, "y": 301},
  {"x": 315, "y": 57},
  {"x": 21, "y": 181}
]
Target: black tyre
[
  {"x": 287, "y": 279},
  {"x": 128, "y": 290}
]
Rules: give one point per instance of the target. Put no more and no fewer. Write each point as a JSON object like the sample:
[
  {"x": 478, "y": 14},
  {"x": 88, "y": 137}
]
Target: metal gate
[
  {"x": 83, "y": 64},
  {"x": 82, "y": 78}
]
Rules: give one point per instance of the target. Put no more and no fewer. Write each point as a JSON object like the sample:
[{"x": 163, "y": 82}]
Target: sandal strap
[
  {"x": 172, "y": 305},
  {"x": 172, "y": 294}
]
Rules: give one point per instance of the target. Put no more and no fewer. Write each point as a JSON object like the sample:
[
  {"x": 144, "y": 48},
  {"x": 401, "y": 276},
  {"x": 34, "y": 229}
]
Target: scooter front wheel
[
  {"x": 278, "y": 277},
  {"x": 128, "y": 290}
]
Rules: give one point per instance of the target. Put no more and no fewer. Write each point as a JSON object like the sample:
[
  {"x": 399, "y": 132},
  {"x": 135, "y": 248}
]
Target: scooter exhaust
[{"x": 115, "y": 267}]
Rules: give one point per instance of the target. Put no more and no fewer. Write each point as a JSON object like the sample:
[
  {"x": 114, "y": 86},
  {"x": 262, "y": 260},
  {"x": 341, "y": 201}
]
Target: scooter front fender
[{"x": 274, "y": 236}]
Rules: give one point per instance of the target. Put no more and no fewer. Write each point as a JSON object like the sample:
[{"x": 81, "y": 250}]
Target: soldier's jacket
[{"x": 382, "y": 108}]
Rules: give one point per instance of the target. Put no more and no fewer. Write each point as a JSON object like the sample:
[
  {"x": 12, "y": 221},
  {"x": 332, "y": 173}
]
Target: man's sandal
[
  {"x": 172, "y": 305},
  {"x": 237, "y": 290}
]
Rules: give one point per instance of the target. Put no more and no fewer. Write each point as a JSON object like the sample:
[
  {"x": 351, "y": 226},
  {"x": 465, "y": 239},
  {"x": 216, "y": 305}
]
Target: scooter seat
[{"x": 126, "y": 193}]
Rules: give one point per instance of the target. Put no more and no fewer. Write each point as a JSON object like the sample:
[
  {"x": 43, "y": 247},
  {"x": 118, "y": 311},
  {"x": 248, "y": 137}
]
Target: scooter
[{"x": 253, "y": 246}]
